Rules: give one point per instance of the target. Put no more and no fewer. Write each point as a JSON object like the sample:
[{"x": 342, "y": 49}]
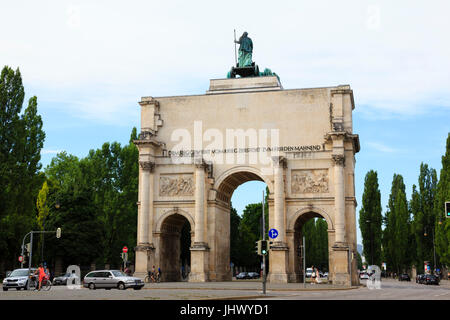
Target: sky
[{"x": 90, "y": 62}]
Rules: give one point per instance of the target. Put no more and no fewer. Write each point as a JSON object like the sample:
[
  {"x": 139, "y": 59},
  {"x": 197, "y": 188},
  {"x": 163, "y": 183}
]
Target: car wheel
[
  {"x": 91, "y": 286},
  {"x": 121, "y": 286},
  {"x": 5, "y": 289}
]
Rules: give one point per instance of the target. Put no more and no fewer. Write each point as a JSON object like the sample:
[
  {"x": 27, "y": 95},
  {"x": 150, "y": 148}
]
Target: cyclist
[
  {"x": 153, "y": 277},
  {"x": 41, "y": 272}
]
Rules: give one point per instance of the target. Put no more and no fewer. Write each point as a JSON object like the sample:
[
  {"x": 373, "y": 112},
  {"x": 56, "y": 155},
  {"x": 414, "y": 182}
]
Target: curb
[{"x": 252, "y": 289}]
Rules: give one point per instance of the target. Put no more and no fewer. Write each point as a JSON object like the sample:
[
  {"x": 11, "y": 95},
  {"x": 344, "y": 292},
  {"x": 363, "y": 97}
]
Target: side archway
[
  {"x": 174, "y": 234},
  {"x": 295, "y": 229}
]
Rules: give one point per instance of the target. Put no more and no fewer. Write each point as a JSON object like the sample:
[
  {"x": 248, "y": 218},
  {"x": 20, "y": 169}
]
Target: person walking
[
  {"x": 313, "y": 275},
  {"x": 317, "y": 276}
]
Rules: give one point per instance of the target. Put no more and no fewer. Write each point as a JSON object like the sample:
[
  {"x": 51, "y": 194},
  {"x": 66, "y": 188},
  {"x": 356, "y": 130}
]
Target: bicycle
[
  {"x": 150, "y": 277},
  {"x": 46, "y": 283}
]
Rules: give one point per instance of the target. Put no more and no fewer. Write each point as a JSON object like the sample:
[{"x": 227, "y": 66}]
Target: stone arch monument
[{"x": 194, "y": 151}]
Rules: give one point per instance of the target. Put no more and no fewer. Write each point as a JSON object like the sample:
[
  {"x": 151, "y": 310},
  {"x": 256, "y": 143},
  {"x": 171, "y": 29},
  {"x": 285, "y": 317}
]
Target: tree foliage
[
  {"x": 442, "y": 224},
  {"x": 422, "y": 209},
  {"x": 21, "y": 140},
  {"x": 370, "y": 219}
]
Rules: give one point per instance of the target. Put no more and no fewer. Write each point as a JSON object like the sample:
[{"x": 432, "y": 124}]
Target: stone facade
[{"x": 194, "y": 151}]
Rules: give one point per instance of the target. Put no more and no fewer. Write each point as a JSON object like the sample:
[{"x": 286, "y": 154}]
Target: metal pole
[
  {"x": 23, "y": 247},
  {"x": 264, "y": 238},
  {"x": 29, "y": 262}
]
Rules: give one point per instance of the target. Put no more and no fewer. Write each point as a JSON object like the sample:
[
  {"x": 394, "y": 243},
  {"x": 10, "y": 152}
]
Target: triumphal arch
[{"x": 194, "y": 151}]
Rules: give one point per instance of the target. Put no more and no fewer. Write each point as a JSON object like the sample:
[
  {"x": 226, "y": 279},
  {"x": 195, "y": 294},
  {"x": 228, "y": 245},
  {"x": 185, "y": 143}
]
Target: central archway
[{"x": 225, "y": 186}]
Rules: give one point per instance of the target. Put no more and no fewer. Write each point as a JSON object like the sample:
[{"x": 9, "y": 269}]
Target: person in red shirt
[{"x": 41, "y": 272}]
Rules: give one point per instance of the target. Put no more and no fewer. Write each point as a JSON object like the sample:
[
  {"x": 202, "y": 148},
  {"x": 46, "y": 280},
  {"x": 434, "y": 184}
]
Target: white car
[
  {"x": 111, "y": 279},
  {"x": 17, "y": 279},
  {"x": 309, "y": 272}
]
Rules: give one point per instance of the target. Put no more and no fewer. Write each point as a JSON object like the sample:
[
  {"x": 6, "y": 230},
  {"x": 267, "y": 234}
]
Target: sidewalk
[{"x": 245, "y": 285}]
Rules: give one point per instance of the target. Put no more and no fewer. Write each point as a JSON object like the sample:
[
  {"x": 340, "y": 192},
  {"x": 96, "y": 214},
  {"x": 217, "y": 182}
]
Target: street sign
[
  {"x": 21, "y": 259},
  {"x": 273, "y": 233},
  {"x": 124, "y": 249}
]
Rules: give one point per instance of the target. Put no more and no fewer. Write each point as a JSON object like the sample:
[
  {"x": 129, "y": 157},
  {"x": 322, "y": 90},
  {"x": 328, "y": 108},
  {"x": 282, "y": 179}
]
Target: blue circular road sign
[{"x": 273, "y": 233}]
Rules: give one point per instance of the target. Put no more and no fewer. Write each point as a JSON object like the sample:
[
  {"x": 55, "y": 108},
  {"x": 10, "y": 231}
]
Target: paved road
[{"x": 390, "y": 290}]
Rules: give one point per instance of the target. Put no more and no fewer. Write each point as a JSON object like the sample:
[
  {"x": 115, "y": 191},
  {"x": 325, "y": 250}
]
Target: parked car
[
  {"x": 363, "y": 276},
  {"x": 242, "y": 275},
  {"x": 431, "y": 279},
  {"x": 325, "y": 275},
  {"x": 62, "y": 279},
  {"x": 111, "y": 279},
  {"x": 17, "y": 279},
  {"x": 404, "y": 277},
  {"x": 309, "y": 272},
  {"x": 420, "y": 278},
  {"x": 253, "y": 275}
]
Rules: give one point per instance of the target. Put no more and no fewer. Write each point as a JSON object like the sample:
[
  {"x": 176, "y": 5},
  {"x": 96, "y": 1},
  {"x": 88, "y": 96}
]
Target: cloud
[
  {"x": 50, "y": 151},
  {"x": 381, "y": 147}
]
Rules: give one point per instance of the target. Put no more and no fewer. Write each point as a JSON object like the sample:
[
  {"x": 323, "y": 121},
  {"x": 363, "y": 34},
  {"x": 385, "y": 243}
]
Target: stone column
[
  {"x": 339, "y": 198},
  {"x": 144, "y": 247},
  {"x": 199, "y": 203},
  {"x": 279, "y": 255},
  {"x": 200, "y": 249},
  {"x": 144, "y": 212},
  {"x": 279, "y": 163},
  {"x": 341, "y": 251}
]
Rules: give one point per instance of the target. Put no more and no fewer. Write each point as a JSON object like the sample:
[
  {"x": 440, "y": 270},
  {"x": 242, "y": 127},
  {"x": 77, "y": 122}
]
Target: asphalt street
[{"x": 246, "y": 290}]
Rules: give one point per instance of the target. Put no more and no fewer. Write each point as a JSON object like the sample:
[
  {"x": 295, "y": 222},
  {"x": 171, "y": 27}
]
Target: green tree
[
  {"x": 442, "y": 224},
  {"x": 316, "y": 243},
  {"x": 370, "y": 219},
  {"x": 422, "y": 209},
  {"x": 235, "y": 240},
  {"x": 389, "y": 220},
  {"x": 21, "y": 141},
  {"x": 400, "y": 239}
]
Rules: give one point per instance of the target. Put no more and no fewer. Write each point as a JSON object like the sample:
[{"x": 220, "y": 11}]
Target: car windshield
[
  {"x": 118, "y": 273},
  {"x": 19, "y": 273}
]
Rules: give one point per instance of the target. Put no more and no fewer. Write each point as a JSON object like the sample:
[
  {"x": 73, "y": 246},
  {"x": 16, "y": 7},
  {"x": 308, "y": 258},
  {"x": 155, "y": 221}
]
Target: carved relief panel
[
  {"x": 309, "y": 181},
  {"x": 176, "y": 185}
]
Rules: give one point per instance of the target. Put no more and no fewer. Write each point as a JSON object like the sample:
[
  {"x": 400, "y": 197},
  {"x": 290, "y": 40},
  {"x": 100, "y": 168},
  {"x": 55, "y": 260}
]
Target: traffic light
[
  {"x": 447, "y": 209},
  {"x": 28, "y": 247},
  {"x": 258, "y": 247},
  {"x": 264, "y": 248}
]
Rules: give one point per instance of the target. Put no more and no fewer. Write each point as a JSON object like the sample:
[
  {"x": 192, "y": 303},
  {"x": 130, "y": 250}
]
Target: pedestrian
[
  {"x": 313, "y": 275},
  {"x": 318, "y": 276},
  {"x": 159, "y": 273}
]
